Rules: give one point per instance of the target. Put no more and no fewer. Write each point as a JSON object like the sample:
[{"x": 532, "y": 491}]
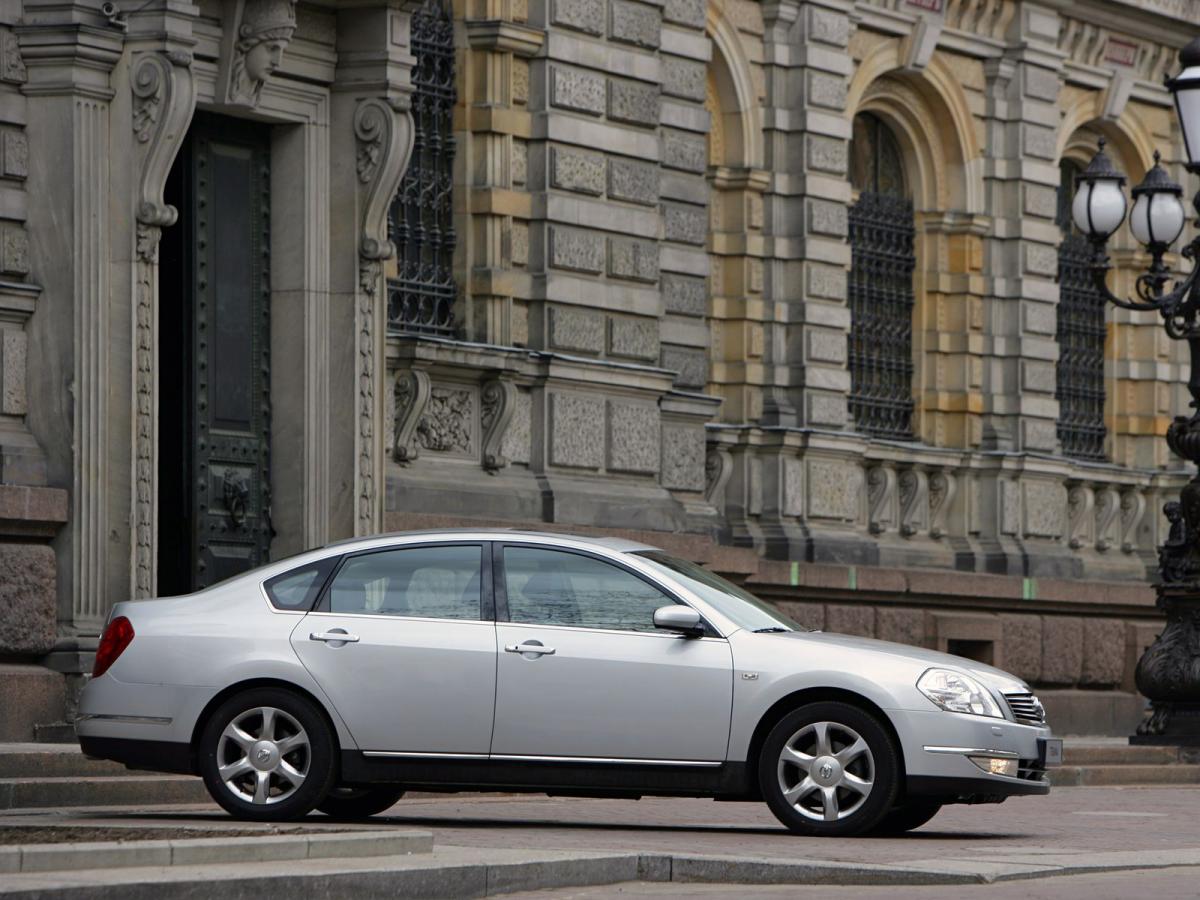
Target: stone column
[
  {"x": 69, "y": 50},
  {"x": 370, "y": 144}
]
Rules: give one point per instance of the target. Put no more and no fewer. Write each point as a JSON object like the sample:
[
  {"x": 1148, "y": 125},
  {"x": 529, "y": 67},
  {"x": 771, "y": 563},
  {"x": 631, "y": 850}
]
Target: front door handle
[
  {"x": 531, "y": 648},
  {"x": 334, "y": 637}
]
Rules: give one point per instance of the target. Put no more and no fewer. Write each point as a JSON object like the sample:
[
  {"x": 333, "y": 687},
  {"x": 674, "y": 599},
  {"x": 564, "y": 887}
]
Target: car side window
[
  {"x": 297, "y": 590},
  {"x": 555, "y": 587},
  {"x": 424, "y": 582}
]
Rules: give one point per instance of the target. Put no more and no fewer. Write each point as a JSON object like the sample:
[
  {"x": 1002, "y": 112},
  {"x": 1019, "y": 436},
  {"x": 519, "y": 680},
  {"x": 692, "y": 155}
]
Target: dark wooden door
[{"x": 214, "y": 459}]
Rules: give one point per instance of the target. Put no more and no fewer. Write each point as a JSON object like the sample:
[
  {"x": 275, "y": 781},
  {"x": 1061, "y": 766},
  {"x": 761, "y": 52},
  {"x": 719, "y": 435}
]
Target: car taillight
[{"x": 117, "y": 636}]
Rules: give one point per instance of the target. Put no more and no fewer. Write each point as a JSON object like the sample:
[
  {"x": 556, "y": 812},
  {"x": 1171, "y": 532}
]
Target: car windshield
[{"x": 738, "y": 605}]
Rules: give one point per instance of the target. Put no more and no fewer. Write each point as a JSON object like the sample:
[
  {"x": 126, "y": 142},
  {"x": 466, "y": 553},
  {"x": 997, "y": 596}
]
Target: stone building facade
[{"x": 783, "y": 285}]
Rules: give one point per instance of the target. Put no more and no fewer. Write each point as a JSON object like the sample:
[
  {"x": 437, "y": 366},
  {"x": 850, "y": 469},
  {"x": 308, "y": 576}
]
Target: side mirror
[{"x": 679, "y": 618}]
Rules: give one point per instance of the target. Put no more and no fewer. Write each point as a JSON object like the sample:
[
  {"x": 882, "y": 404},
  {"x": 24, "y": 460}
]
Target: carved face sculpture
[{"x": 263, "y": 35}]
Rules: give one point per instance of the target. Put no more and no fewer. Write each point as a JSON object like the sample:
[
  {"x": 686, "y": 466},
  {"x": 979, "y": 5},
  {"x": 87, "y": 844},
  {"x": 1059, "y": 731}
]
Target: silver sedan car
[{"x": 496, "y": 660}]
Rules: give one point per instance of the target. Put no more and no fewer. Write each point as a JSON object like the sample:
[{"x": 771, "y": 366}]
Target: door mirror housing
[{"x": 678, "y": 617}]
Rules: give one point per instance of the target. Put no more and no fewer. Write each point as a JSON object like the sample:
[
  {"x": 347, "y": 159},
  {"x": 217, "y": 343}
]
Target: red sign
[{"x": 1123, "y": 53}]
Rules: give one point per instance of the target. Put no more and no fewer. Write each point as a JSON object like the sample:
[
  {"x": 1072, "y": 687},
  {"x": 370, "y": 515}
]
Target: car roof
[{"x": 614, "y": 544}]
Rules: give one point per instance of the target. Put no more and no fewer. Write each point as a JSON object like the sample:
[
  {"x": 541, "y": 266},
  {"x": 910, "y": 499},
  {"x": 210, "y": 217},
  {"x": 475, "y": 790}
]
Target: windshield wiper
[{"x": 774, "y": 629}]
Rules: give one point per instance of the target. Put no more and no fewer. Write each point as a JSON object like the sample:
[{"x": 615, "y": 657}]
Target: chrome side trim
[
  {"x": 505, "y": 757},
  {"x": 975, "y": 751},
  {"x": 143, "y": 720}
]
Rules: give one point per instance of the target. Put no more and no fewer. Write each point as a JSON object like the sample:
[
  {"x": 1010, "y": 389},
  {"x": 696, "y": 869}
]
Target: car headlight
[{"x": 956, "y": 692}]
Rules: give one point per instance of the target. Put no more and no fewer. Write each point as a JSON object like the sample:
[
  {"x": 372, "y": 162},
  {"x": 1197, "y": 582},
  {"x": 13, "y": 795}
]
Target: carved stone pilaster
[
  {"x": 254, "y": 37},
  {"x": 411, "y": 396},
  {"x": 497, "y": 404},
  {"x": 164, "y": 99}
]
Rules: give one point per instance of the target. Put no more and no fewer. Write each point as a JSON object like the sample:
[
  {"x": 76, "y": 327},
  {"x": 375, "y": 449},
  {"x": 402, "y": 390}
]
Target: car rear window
[{"x": 298, "y": 589}]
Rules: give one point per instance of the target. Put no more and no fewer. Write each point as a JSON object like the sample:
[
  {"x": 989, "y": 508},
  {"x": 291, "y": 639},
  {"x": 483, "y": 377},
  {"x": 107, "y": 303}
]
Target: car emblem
[
  {"x": 827, "y": 771},
  {"x": 263, "y": 754}
]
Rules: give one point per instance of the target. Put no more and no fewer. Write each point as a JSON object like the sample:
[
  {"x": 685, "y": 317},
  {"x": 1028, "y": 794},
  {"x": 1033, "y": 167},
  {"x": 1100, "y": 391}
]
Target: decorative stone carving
[
  {"x": 691, "y": 365},
  {"x": 881, "y": 496},
  {"x": 718, "y": 466},
  {"x": 448, "y": 424},
  {"x": 685, "y": 223},
  {"x": 1081, "y": 503},
  {"x": 635, "y": 23},
  {"x": 12, "y": 68},
  {"x": 633, "y": 101},
  {"x": 256, "y": 32},
  {"x": 577, "y": 170},
  {"x": 632, "y": 258},
  {"x": 582, "y": 15},
  {"x": 497, "y": 402},
  {"x": 580, "y": 91},
  {"x": 572, "y": 248},
  {"x": 15, "y": 162},
  {"x": 684, "y": 150},
  {"x": 1108, "y": 507},
  {"x": 684, "y": 78},
  {"x": 633, "y": 180},
  {"x": 684, "y": 294},
  {"x": 576, "y": 329},
  {"x": 1133, "y": 509},
  {"x": 637, "y": 338},
  {"x": 914, "y": 502},
  {"x": 410, "y": 396},
  {"x": 942, "y": 488}
]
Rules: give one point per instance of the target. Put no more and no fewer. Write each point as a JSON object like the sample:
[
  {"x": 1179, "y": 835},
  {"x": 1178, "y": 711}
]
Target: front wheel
[
  {"x": 829, "y": 769},
  {"x": 267, "y": 755},
  {"x": 359, "y": 803}
]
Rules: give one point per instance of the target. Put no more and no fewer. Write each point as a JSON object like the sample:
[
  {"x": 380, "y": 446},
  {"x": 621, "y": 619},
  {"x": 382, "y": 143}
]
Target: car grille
[{"x": 1026, "y": 708}]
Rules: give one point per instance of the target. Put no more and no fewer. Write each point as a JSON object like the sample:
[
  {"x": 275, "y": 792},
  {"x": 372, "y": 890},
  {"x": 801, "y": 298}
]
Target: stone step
[
  {"x": 1077, "y": 752},
  {"x": 1066, "y": 776},
  {"x": 42, "y": 760},
  {"x": 55, "y": 733},
  {"x": 101, "y": 790}
]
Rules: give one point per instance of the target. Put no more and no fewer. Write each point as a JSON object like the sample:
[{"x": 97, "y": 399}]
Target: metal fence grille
[
  {"x": 1081, "y": 333},
  {"x": 421, "y": 298},
  {"x": 881, "y": 309}
]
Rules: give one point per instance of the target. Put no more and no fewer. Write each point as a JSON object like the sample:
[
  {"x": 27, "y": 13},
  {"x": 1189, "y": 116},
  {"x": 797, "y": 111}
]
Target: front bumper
[{"x": 938, "y": 747}]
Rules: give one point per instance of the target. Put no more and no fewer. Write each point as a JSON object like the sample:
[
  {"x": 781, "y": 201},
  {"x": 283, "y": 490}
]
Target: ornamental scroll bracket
[
  {"x": 383, "y": 144},
  {"x": 498, "y": 401},
  {"x": 411, "y": 396},
  {"x": 164, "y": 97}
]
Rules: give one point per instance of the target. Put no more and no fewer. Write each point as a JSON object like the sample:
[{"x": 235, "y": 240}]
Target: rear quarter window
[{"x": 297, "y": 590}]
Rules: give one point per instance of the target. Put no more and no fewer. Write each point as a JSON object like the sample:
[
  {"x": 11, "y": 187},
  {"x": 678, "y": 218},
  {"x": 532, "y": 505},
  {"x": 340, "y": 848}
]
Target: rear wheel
[
  {"x": 359, "y": 803},
  {"x": 266, "y": 754},
  {"x": 829, "y": 769},
  {"x": 907, "y": 816}
]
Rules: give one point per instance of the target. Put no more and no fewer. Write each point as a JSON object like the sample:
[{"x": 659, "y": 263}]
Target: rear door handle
[
  {"x": 536, "y": 649},
  {"x": 334, "y": 636}
]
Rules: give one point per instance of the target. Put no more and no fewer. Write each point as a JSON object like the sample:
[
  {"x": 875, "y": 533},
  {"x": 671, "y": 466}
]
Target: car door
[
  {"x": 403, "y": 641},
  {"x": 583, "y": 672}
]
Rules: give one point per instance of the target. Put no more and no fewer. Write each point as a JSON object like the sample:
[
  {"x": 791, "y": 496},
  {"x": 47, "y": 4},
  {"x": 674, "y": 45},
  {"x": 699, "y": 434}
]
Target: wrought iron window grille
[{"x": 421, "y": 219}]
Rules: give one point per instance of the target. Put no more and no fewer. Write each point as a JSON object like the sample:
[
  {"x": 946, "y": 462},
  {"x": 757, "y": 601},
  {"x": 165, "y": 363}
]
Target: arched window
[
  {"x": 421, "y": 297},
  {"x": 1081, "y": 333},
  {"x": 881, "y": 284}
]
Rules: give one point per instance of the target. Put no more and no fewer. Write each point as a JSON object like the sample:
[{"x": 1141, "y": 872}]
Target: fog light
[{"x": 996, "y": 766}]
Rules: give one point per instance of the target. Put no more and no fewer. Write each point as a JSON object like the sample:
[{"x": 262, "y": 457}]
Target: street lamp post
[{"x": 1169, "y": 671}]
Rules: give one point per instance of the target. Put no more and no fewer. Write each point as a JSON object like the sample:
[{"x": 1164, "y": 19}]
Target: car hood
[{"x": 995, "y": 678}]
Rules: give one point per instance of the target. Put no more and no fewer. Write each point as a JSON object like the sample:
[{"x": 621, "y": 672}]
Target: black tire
[
  {"x": 857, "y": 811},
  {"x": 907, "y": 816},
  {"x": 314, "y": 756},
  {"x": 350, "y": 803}
]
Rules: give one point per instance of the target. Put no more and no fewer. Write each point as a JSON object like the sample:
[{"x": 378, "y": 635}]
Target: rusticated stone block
[
  {"x": 1021, "y": 646},
  {"x": 827, "y": 282},
  {"x": 520, "y": 243},
  {"x": 28, "y": 600},
  {"x": 827, "y": 154},
  {"x": 14, "y": 250},
  {"x": 1041, "y": 259},
  {"x": 827, "y": 217},
  {"x": 582, "y": 15},
  {"x": 833, "y": 489},
  {"x": 633, "y": 101},
  {"x": 30, "y": 695},
  {"x": 580, "y": 91},
  {"x": 634, "y": 259},
  {"x": 685, "y": 223},
  {"x": 576, "y": 430},
  {"x": 577, "y": 170},
  {"x": 685, "y": 150},
  {"x": 1038, "y": 375},
  {"x": 517, "y": 440},
  {"x": 1062, "y": 650},
  {"x": 826, "y": 90},
  {"x": 571, "y": 248},
  {"x": 825, "y": 345},
  {"x": 685, "y": 12},
  {"x": 904, "y": 626},
  {"x": 857, "y": 620},
  {"x": 1045, "y": 507},
  {"x": 1040, "y": 142},
  {"x": 1042, "y": 84},
  {"x": 806, "y": 615},
  {"x": 684, "y": 294},
  {"x": 637, "y": 338},
  {"x": 520, "y": 80},
  {"x": 1103, "y": 652},
  {"x": 684, "y": 78},
  {"x": 1041, "y": 200},
  {"x": 828, "y": 27},
  {"x": 576, "y": 329},
  {"x": 691, "y": 366},
  {"x": 12, "y": 371},
  {"x": 826, "y": 409},
  {"x": 683, "y": 452},
  {"x": 633, "y": 180},
  {"x": 15, "y": 155},
  {"x": 635, "y": 23},
  {"x": 633, "y": 437}
]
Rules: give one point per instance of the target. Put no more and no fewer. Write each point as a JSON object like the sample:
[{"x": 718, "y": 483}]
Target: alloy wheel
[
  {"x": 826, "y": 771},
  {"x": 263, "y": 755}
]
